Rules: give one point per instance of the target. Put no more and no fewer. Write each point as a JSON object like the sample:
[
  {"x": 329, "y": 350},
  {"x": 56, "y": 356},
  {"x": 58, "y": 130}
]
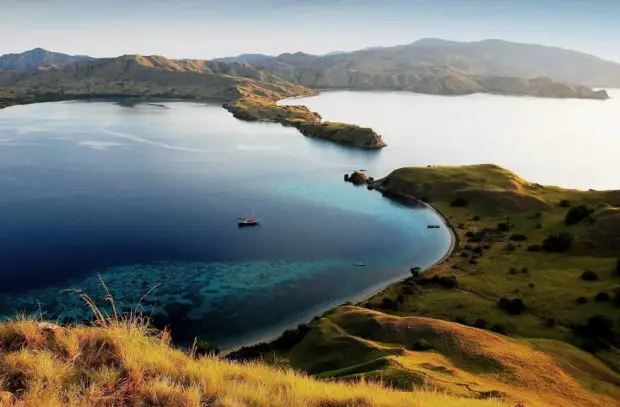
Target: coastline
[{"x": 358, "y": 298}]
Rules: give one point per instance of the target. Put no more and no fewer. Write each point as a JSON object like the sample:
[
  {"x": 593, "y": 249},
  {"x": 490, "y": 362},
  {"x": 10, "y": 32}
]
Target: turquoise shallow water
[{"x": 148, "y": 197}]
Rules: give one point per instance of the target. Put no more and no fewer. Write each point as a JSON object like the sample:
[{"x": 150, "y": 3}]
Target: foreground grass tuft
[{"x": 126, "y": 363}]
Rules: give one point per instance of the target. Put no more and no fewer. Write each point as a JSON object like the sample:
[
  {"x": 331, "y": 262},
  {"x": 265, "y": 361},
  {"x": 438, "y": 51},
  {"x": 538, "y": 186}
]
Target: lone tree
[
  {"x": 577, "y": 213},
  {"x": 415, "y": 271}
]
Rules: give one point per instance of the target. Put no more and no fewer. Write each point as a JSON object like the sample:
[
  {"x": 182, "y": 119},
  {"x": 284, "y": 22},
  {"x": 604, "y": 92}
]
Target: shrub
[
  {"x": 525, "y": 270},
  {"x": 291, "y": 337},
  {"x": 476, "y": 218},
  {"x": 517, "y": 237},
  {"x": 511, "y": 247},
  {"x": 557, "y": 243},
  {"x": 421, "y": 345},
  {"x": 480, "y": 323},
  {"x": 513, "y": 271},
  {"x": 582, "y": 300},
  {"x": 589, "y": 276},
  {"x": 577, "y": 213},
  {"x": 538, "y": 225},
  {"x": 602, "y": 297},
  {"x": 203, "y": 348},
  {"x": 533, "y": 248},
  {"x": 388, "y": 303},
  {"x": 415, "y": 271},
  {"x": 531, "y": 285},
  {"x": 499, "y": 328},
  {"x": 444, "y": 281},
  {"x": 460, "y": 320},
  {"x": 515, "y": 306},
  {"x": 503, "y": 227},
  {"x": 551, "y": 322},
  {"x": 598, "y": 329},
  {"x": 464, "y": 254},
  {"x": 565, "y": 203},
  {"x": 459, "y": 202}
]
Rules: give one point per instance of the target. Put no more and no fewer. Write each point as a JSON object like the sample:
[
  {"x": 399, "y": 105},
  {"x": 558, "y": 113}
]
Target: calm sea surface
[
  {"x": 570, "y": 143},
  {"x": 147, "y": 196}
]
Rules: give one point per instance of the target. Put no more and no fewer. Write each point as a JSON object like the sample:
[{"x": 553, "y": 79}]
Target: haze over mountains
[{"x": 430, "y": 66}]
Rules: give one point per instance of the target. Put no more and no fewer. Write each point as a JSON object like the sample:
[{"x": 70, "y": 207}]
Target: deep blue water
[{"x": 146, "y": 196}]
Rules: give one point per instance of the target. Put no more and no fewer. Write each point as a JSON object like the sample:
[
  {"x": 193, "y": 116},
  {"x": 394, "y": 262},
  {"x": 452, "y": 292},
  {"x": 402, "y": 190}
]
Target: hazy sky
[{"x": 214, "y": 28}]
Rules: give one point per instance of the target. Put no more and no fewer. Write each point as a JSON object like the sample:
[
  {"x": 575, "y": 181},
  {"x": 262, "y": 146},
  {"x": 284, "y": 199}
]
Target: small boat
[
  {"x": 433, "y": 226},
  {"x": 248, "y": 222},
  {"x": 360, "y": 264}
]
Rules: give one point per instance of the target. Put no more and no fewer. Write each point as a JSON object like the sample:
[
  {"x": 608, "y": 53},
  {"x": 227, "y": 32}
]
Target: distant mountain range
[
  {"x": 427, "y": 56},
  {"x": 430, "y": 66},
  {"x": 38, "y": 58}
]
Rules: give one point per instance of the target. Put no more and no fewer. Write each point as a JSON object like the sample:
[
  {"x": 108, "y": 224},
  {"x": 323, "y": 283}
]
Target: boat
[
  {"x": 433, "y": 226},
  {"x": 360, "y": 264},
  {"x": 248, "y": 222}
]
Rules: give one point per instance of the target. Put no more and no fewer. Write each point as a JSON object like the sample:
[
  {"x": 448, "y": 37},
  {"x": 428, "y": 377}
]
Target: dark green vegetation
[{"x": 519, "y": 270}]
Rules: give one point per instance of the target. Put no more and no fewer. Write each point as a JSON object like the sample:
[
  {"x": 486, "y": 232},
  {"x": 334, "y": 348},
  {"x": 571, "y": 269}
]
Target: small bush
[
  {"x": 511, "y": 247},
  {"x": 551, "y": 322},
  {"x": 515, "y": 306},
  {"x": 582, "y": 300},
  {"x": 203, "y": 348},
  {"x": 589, "y": 276},
  {"x": 480, "y": 323},
  {"x": 475, "y": 218},
  {"x": 602, "y": 297},
  {"x": 531, "y": 285},
  {"x": 517, "y": 237},
  {"x": 557, "y": 243},
  {"x": 464, "y": 255},
  {"x": 577, "y": 213},
  {"x": 525, "y": 270},
  {"x": 389, "y": 304},
  {"x": 460, "y": 320},
  {"x": 533, "y": 248},
  {"x": 421, "y": 345},
  {"x": 513, "y": 271},
  {"x": 565, "y": 203},
  {"x": 499, "y": 328},
  {"x": 598, "y": 330},
  {"x": 459, "y": 202},
  {"x": 503, "y": 227}
]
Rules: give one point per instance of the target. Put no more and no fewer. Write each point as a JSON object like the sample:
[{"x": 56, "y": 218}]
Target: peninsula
[{"x": 532, "y": 262}]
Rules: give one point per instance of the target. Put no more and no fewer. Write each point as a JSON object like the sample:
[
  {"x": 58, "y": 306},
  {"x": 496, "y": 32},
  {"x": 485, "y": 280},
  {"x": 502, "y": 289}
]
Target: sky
[{"x": 217, "y": 28}]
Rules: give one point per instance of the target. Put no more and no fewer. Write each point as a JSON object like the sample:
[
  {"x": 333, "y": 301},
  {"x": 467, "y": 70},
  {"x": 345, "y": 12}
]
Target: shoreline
[{"x": 360, "y": 296}]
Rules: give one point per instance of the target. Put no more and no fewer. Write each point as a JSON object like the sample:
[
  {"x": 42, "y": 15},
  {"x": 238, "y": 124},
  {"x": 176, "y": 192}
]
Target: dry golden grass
[
  {"x": 462, "y": 360},
  {"x": 124, "y": 363}
]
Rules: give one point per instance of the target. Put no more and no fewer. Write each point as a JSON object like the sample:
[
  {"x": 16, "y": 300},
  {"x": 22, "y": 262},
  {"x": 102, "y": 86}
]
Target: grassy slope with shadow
[
  {"x": 350, "y": 342},
  {"x": 124, "y": 363}
]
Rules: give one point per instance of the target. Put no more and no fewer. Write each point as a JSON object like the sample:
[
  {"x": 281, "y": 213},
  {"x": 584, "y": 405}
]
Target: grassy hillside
[
  {"x": 529, "y": 304},
  {"x": 123, "y": 363},
  {"x": 352, "y": 342},
  {"x": 518, "y": 242}
]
